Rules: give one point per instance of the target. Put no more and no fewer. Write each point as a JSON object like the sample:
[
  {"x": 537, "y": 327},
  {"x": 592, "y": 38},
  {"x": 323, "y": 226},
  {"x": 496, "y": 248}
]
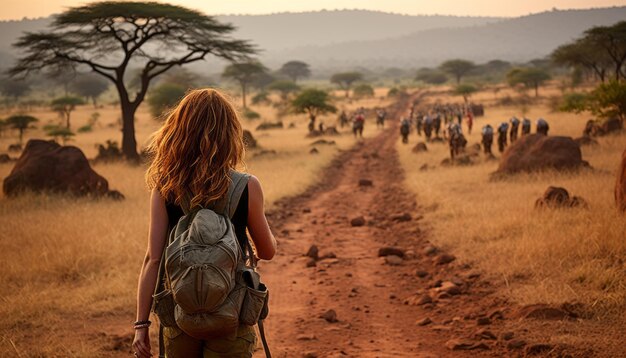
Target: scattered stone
[
  {"x": 496, "y": 314},
  {"x": 418, "y": 300},
  {"x": 421, "y": 274},
  {"x": 390, "y": 250},
  {"x": 306, "y": 337},
  {"x": 313, "y": 252},
  {"x": 450, "y": 288},
  {"x": 420, "y": 147},
  {"x": 536, "y": 349},
  {"x": 516, "y": 344},
  {"x": 541, "y": 311},
  {"x": 310, "y": 355},
  {"x": 423, "y": 168},
  {"x": 424, "y": 322},
  {"x": 314, "y": 151},
  {"x": 402, "y": 217},
  {"x": 323, "y": 142},
  {"x": 393, "y": 260},
  {"x": 484, "y": 334},
  {"x": 556, "y": 197},
  {"x": 358, "y": 221},
  {"x": 444, "y": 259},
  {"x": 483, "y": 321},
  {"x": 248, "y": 139},
  {"x": 311, "y": 262},
  {"x": 330, "y": 255},
  {"x": 458, "y": 345},
  {"x": 430, "y": 250},
  {"x": 365, "y": 182},
  {"x": 507, "y": 336},
  {"x": 306, "y": 210},
  {"x": 330, "y": 316}
]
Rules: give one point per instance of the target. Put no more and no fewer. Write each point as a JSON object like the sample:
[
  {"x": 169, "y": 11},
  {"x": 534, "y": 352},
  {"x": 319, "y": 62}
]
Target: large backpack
[{"x": 208, "y": 289}]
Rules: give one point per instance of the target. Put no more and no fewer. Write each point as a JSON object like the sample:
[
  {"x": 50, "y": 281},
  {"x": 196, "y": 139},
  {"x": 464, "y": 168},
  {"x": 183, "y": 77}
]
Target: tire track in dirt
[{"x": 374, "y": 301}]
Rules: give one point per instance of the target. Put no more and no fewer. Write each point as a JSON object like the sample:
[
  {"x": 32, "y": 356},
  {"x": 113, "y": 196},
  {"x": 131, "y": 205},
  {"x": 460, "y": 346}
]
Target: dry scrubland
[
  {"x": 69, "y": 266},
  {"x": 551, "y": 256}
]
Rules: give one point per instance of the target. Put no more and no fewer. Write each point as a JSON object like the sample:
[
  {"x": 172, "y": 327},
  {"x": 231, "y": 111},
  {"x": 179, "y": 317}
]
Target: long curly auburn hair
[{"x": 195, "y": 149}]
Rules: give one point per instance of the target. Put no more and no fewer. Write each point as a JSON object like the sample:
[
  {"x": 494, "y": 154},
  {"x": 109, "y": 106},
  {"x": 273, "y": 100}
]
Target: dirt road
[{"x": 376, "y": 299}]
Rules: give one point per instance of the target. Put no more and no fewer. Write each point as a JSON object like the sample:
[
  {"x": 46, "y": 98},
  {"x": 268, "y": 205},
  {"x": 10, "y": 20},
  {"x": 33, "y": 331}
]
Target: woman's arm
[
  {"x": 262, "y": 237},
  {"x": 149, "y": 271}
]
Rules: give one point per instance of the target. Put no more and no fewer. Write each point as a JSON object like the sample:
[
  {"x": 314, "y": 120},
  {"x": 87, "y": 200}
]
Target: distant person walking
[
  {"x": 405, "y": 128},
  {"x": 357, "y": 125},
  {"x": 419, "y": 123},
  {"x": 542, "y": 126},
  {"x": 457, "y": 141},
  {"x": 514, "y": 128},
  {"x": 526, "y": 123},
  {"x": 343, "y": 119},
  {"x": 380, "y": 118},
  {"x": 437, "y": 124},
  {"x": 487, "y": 140},
  {"x": 503, "y": 129},
  {"x": 470, "y": 120},
  {"x": 428, "y": 126}
]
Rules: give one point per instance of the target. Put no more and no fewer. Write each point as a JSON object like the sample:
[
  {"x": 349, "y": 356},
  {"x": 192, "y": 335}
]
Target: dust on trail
[{"x": 367, "y": 294}]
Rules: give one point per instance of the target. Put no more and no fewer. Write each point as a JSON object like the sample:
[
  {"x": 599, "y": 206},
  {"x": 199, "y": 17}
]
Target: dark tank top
[{"x": 239, "y": 219}]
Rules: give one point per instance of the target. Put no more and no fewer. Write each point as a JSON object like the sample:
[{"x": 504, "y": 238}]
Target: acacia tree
[
  {"x": 583, "y": 52},
  {"x": 90, "y": 86},
  {"x": 363, "y": 90},
  {"x": 65, "y": 106},
  {"x": 613, "y": 40},
  {"x": 465, "y": 91},
  {"x": 313, "y": 102},
  {"x": 244, "y": 73},
  {"x": 345, "y": 80},
  {"x": 284, "y": 88},
  {"x": 108, "y": 36},
  {"x": 457, "y": 68},
  {"x": 529, "y": 77},
  {"x": 295, "y": 70},
  {"x": 20, "y": 122}
]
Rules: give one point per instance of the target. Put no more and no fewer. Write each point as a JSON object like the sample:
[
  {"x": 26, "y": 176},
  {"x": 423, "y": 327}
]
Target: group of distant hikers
[
  {"x": 447, "y": 120},
  {"x": 358, "y": 120}
]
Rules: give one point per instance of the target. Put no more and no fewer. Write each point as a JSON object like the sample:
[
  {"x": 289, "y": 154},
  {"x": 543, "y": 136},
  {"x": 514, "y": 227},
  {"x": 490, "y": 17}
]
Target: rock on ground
[
  {"x": 46, "y": 166},
  {"x": 557, "y": 197},
  {"x": 536, "y": 152}
]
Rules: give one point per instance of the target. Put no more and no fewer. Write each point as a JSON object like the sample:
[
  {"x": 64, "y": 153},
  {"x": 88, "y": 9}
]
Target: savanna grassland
[
  {"x": 548, "y": 256},
  {"x": 70, "y": 266}
]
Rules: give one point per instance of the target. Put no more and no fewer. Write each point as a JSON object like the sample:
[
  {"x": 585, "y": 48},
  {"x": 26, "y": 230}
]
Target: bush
[
  {"x": 85, "y": 129},
  {"x": 164, "y": 97},
  {"x": 250, "y": 114}
]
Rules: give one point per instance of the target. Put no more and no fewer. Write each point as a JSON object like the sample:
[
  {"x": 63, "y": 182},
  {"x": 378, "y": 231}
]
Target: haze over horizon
[{"x": 16, "y": 10}]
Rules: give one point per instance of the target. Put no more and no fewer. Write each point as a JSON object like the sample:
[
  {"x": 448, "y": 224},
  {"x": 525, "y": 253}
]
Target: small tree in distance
[
  {"x": 90, "y": 86},
  {"x": 529, "y": 77},
  {"x": 345, "y": 80},
  {"x": 457, "y": 68},
  {"x": 465, "y": 91},
  {"x": 295, "y": 70},
  {"x": 65, "y": 106},
  {"x": 284, "y": 88},
  {"x": 14, "y": 88},
  {"x": 313, "y": 102},
  {"x": 164, "y": 96},
  {"x": 363, "y": 91},
  {"x": 22, "y": 123},
  {"x": 244, "y": 73}
]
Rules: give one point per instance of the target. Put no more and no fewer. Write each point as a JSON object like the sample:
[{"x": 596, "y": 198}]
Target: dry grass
[
  {"x": 549, "y": 256},
  {"x": 70, "y": 266}
]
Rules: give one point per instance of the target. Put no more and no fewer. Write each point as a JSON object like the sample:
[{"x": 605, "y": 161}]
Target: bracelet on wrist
[{"x": 142, "y": 324}]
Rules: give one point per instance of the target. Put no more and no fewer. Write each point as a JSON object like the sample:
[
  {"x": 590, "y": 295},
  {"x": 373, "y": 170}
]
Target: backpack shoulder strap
[{"x": 238, "y": 183}]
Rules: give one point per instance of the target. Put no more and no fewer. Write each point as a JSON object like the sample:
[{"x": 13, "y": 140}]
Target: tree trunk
[
  {"x": 67, "y": 120},
  {"x": 129, "y": 144},
  {"x": 536, "y": 90},
  {"x": 347, "y": 92},
  {"x": 243, "y": 94}
]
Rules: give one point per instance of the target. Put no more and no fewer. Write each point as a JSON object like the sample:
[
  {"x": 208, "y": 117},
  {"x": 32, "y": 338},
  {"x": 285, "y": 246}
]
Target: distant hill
[
  {"x": 517, "y": 39},
  {"x": 346, "y": 39}
]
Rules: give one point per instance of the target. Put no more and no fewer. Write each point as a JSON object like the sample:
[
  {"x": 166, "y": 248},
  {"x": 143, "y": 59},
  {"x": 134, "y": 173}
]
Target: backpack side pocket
[
  {"x": 163, "y": 307},
  {"x": 253, "y": 305}
]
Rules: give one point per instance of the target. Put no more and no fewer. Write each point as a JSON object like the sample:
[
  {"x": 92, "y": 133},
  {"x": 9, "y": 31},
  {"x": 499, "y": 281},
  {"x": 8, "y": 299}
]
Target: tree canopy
[
  {"x": 431, "y": 76},
  {"x": 529, "y": 77},
  {"x": 20, "y": 122},
  {"x": 345, "y": 80},
  {"x": 363, "y": 90},
  {"x": 284, "y": 88},
  {"x": 65, "y": 106},
  {"x": 313, "y": 102},
  {"x": 465, "y": 91},
  {"x": 108, "y": 36},
  {"x": 244, "y": 73},
  {"x": 295, "y": 70},
  {"x": 457, "y": 68},
  {"x": 90, "y": 86},
  {"x": 164, "y": 96}
]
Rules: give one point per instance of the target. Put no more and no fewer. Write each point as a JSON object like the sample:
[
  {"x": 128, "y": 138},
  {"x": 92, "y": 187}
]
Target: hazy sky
[{"x": 17, "y": 9}]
